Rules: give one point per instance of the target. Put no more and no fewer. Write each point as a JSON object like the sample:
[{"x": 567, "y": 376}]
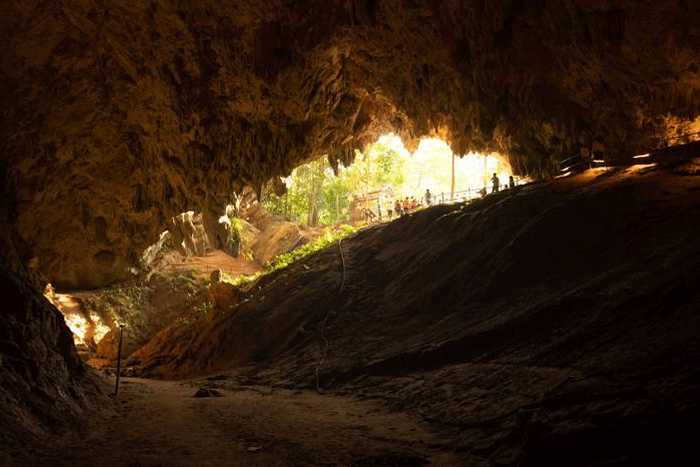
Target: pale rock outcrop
[{"x": 278, "y": 238}]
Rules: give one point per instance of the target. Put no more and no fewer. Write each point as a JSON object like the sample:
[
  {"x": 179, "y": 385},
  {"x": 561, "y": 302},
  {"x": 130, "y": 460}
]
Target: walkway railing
[
  {"x": 469, "y": 194},
  {"x": 665, "y": 154}
]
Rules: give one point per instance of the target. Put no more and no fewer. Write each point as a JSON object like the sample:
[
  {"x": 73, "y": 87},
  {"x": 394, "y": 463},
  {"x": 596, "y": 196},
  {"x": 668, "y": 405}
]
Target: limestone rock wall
[
  {"x": 118, "y": 115},
  {"x": 43, "y": 383}
]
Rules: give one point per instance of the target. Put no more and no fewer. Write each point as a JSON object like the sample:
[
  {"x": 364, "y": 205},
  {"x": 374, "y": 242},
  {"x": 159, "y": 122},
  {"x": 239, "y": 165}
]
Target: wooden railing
[{"x": 664, "y": 154}]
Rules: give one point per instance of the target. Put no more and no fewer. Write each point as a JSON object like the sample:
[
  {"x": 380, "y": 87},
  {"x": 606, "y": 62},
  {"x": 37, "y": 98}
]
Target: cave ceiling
[{"x": 117, "y": 115}]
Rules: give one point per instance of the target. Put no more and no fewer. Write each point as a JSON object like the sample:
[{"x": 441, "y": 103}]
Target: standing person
[
  {"x": 405, "y": 205},
  {"x": 598, "y": 149},
  {"x": 495, "y": 182},
  {"x": 585, "y": 155},
  {"x": 511, "y": 182},
  {"x": 397, "y": 207},
  {"x": 379, "y": 209},
  {"x": 428, "y": 197}
]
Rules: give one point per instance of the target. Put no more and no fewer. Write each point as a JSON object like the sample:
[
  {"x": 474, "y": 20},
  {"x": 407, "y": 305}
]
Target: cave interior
[{"x": 118, "y": 116}]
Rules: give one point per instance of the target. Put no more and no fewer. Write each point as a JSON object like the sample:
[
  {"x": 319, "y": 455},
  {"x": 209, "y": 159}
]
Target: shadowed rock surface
[
  {"x": 117, "y": 116},
  {"x": 554, "y": 322},
  {"x": 44, "y": 387}
]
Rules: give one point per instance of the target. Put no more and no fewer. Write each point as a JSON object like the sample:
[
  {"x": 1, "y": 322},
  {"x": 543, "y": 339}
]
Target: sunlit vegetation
[
  {"x": 205, "y": 306},
  {"x": 241, "y": 280},
  {"x": 329, "y": 237},
  {"x": 120, "y": 304},
  {"x": 316, "y": 196}
]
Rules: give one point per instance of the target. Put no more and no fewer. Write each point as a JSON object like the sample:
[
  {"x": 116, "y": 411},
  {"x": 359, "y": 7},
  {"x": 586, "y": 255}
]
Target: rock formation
[
  {"x": 549, "y": 324},
  {"x": 43, "y": 383},
  {"x": 118, "y": 116}
]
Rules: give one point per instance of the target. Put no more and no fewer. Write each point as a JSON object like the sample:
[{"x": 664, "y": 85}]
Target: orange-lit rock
[{"x": 118, "y": 116}]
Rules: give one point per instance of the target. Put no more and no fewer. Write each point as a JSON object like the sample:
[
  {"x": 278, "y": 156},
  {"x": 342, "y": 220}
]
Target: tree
[
  {"x": 316, "y": 196},
  {"x": 452, "y": 189}
]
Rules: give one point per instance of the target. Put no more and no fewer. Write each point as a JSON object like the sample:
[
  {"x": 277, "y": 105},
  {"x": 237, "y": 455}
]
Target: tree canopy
[{"x": 315, "y": 195}]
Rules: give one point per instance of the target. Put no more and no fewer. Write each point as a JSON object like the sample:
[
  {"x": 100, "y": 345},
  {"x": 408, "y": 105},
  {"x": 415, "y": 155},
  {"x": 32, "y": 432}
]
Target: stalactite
[{"x": 205, "y": 96}]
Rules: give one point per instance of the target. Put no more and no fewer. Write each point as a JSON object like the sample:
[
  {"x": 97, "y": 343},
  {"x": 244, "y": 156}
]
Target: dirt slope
[{"x": 531, "y": 325}]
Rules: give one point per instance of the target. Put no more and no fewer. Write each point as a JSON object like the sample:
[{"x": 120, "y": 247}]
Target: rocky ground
[
  {"x": 213, "y": 260},
  {"x": 172, "y": 283},
  {"x": 526, "y": 327},
  {"x": 161, "y": 423},
  {"x": 554, "y": 323}
]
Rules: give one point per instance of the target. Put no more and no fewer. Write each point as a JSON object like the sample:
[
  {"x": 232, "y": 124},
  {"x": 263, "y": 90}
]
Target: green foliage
[
  {"x": 189, "y": 277},
  {"x": 239, "y": 281},
  {"x": 346, "y": 229},
  {"x": 121, "y": 304},
  {"x": 205, "y": 307},
  {"x": 234, "y": 236},
  {"x": 317, "y": 196},
  {"x": 328, "y": 237}
]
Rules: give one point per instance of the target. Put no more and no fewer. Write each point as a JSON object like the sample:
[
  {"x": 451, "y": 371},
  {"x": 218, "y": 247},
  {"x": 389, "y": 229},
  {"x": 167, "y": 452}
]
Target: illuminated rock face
[{"x": 120, "y": 115}]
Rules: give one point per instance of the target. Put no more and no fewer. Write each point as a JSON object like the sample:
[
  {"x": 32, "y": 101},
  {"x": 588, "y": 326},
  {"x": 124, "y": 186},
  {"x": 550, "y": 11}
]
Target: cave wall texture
[
  {"x": 43, "y": 383},
  {"x": 118, "y": 115}
]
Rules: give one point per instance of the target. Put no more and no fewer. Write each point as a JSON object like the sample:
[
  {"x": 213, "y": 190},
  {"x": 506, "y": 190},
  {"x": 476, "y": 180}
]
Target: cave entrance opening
[
  {"x": 453, "y": 177},
  {"x": 382, "y": 174}
]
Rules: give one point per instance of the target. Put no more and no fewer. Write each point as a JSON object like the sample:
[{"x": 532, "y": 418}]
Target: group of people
[
  {"x": 497, "y": 184},
  {"x": 401, "y": 207}
]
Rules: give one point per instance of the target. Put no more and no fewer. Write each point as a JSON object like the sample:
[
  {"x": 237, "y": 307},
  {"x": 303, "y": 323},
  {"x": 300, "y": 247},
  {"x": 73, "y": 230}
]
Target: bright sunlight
[{"x": 384, "y": 173}]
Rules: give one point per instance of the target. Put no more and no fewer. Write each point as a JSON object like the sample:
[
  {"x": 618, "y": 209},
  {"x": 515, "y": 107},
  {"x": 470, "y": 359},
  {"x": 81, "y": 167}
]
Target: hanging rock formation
[{"x": 117, "y": 116}]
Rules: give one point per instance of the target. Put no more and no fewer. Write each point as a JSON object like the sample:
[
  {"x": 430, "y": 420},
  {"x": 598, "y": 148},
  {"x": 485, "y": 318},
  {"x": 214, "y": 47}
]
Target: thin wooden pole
[
  {"x": 119, "y": 358},
  {"x": 452, "y": 191}
]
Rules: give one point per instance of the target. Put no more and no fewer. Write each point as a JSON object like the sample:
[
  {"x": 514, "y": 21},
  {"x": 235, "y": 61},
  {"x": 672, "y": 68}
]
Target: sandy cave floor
[{"x": 161, "y": 423}]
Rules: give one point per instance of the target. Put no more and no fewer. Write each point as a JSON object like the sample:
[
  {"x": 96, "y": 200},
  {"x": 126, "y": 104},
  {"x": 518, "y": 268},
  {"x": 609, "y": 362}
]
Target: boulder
[
  {"x": 108, "y": 346},
  {"x": 222, "y": 295},
  {"x": 278, "y": 238},
  {"x": 248, "y": 235}
]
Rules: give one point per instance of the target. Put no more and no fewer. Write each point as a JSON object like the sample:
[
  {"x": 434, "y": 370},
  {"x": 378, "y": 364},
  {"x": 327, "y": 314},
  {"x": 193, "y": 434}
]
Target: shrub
[{"x": 328, "y": 237}]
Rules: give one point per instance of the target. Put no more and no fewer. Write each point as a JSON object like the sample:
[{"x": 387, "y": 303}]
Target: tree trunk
[
  {"x": 315, "y": 194},
  {"x": 452, "y": 196},
  {"x": 368, "y": 173},
  {"x": 337, "y": 208}
]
